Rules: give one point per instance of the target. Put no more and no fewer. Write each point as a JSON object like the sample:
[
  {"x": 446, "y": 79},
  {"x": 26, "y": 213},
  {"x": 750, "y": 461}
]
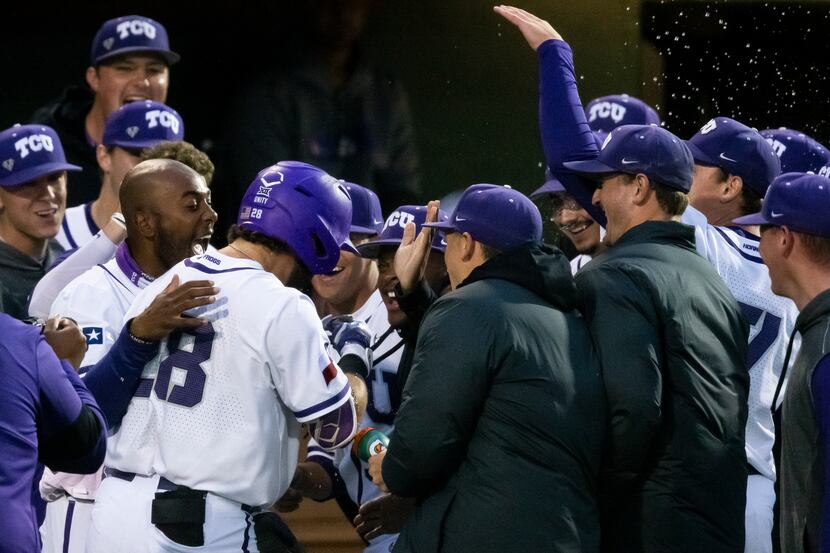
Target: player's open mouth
[
  {"x": 136, "y": 98},
  {"x": 335, "y": 271},
  {"x": 577, "y": 228},
  {"x": 390, "y": 299},
  {"x": 47, "y": 213},
  {"x": 200, "y": 245}
]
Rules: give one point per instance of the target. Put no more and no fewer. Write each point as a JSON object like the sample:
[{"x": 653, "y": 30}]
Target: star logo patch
[{"x": 94, "y": 335}]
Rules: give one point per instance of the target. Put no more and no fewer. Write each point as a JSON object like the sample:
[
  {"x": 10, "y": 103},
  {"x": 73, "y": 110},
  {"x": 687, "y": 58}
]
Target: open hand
[
  {"x": 165, "y": 313},
  {"x": 413, "y": 252},
  {"x": 535, "y": 30}
]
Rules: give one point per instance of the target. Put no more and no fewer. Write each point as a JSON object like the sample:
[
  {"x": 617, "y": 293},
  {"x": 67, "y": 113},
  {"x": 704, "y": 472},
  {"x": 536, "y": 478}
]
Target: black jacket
[
  {"x": 500, "y": 430},
  {"x": 67, "y": 115},
  {"x": 802, "y": 474},
  {"x": 672, "y": 343}
]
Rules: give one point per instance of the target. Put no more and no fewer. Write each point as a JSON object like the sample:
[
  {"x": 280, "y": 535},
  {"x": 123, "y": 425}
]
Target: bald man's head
[
  {"x": 142, "y": 184},
  {"x": 166, "y": 205}
]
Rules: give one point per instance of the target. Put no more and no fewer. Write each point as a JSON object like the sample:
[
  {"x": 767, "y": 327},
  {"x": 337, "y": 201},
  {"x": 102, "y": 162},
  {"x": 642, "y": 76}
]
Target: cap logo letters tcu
[
  {"x": 708, "y": 127},
  {"x": 34, "y": 143},
  {"x": 166, "y": 119},
  {"x": 778, "y": 147},
  {"x": 135, "y": 27},
  {"x": 604, "y": 110},
  {"x": 399, "y": 218}
]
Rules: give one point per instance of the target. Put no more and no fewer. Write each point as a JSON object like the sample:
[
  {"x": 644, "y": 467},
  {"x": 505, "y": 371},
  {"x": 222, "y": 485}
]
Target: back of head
[
  {"x": 738, "y": 150},
  {"x": 798, "y": 152},
  {"x": 499, "y": 217},
  {"x": 302, "y": 206},
  {"x": 183, "y": 152},
  {"x": 606, "y": 113}
]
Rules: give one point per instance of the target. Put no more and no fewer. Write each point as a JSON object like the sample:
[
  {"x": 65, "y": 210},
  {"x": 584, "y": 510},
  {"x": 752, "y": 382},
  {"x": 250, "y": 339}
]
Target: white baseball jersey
[
  {"x": 734, "y": 254},
  {"x": 219, "y": 409},
  {"x": 77, "y": 227},
  {"x": 579, "y": 261},
  {"x": 383, "y": 403},
  {"x": 97, "y": 299}
]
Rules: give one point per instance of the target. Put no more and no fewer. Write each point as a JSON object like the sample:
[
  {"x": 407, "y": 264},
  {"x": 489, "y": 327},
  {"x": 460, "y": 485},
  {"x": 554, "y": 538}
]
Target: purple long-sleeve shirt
[
  {"x": 41, "y": 398},
  {"x": 566, "y": 135},
  {"x": 821, "y": 403}
]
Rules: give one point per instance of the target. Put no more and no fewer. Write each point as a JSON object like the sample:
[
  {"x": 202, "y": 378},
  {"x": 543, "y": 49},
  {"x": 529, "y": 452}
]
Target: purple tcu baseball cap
[
  {"x": 28, "y": 152},
  {"x": 799, "y": 201},
  {"x": 143, "y": 124},
  {"x": 647, "y": 149},
  {"x": 131, "y": 34},
  {"x": 392, "y": 232},
  {"x": 367, "y": 218},
  {"x": 797, "y": 151},
  {"x": 606, "y": 113},
  {"x": 738, "y": 150},
  {"x": 497, "y": 216}
]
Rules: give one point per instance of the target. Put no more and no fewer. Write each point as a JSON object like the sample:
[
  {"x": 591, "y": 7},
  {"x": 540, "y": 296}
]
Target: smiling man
[
  {"x": 32, "y": 203},
  {"x": 130, "y": 61}
]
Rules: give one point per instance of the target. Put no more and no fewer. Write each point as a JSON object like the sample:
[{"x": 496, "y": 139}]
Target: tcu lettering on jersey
[
  {"x": 399, "y": 218},
  {"x": 35, "y": 143},
  {"x": 157, "y": 117},
  {"x": 604, "y": 110},
  {"x": 778, "y": 147},
  {"x": 136, "y": 27}
]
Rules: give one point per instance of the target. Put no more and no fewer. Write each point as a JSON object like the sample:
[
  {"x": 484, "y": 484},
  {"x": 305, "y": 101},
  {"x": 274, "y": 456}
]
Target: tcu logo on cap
[
  {"x": 400, "y": 218},
  {"x": 136, "y": 27},
  {"x": 708, "y": 127},
  {"x": 604, "y": 110},
  {"x": 824, "y": 171},
  {"x": 165, "y": 118},
  {"x": 34, "y": 143},
  {"x": 778, "y": 147}
]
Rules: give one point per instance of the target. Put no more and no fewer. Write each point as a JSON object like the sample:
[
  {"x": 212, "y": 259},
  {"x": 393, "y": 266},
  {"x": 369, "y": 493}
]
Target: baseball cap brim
[
  {"x": 168, "y": 56},
  {"x": 363, "y": 230},
  {"x": 33, "y": 173},
  {"x": 347, "y": 246},
  {"x": 552, "y": 186},
  {"x": 371, "y": 250},
  {"x": 592, "y": 168},
  {"x": 137, "y": 145},
  {"x": 700, "y": 156},
  {"x": 753, "y": 219},
  {"x": 442, "y": 225}
]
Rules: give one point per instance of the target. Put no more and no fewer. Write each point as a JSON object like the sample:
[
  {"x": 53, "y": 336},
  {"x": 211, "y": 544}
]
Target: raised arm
[{"x": 566, "y": 135}]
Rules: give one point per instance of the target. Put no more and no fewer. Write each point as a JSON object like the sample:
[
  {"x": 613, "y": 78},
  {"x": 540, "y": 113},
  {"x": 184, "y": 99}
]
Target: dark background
[{"x": 470, "y": 76}]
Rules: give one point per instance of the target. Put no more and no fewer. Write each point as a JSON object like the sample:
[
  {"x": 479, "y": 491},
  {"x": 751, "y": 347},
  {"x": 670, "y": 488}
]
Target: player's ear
[
  {"x": 145, "y": 222},
  {"x": 104, "y": 158},
  {"x": 468, "y": 246},
  {"x": 641, "y": 187},
  {"x": 92, "y": 78},
  {"x": 732, "y": 188}
]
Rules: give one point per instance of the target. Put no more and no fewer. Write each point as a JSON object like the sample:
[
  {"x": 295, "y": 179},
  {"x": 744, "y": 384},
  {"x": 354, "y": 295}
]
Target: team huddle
[{"x": 460, "y": 384}]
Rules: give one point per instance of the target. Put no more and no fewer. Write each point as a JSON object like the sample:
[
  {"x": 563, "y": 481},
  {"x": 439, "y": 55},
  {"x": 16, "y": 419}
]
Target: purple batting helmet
[{"x": 303, "y": 206}]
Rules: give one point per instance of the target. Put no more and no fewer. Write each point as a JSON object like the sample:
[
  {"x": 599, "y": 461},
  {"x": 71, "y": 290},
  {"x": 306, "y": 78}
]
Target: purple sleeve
[
  {"x": 113, "y": 380},
  {"x": 71, "y": 427},
  {"x": 821, "y": 405},
  {"x": 566, "y": 135}
]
